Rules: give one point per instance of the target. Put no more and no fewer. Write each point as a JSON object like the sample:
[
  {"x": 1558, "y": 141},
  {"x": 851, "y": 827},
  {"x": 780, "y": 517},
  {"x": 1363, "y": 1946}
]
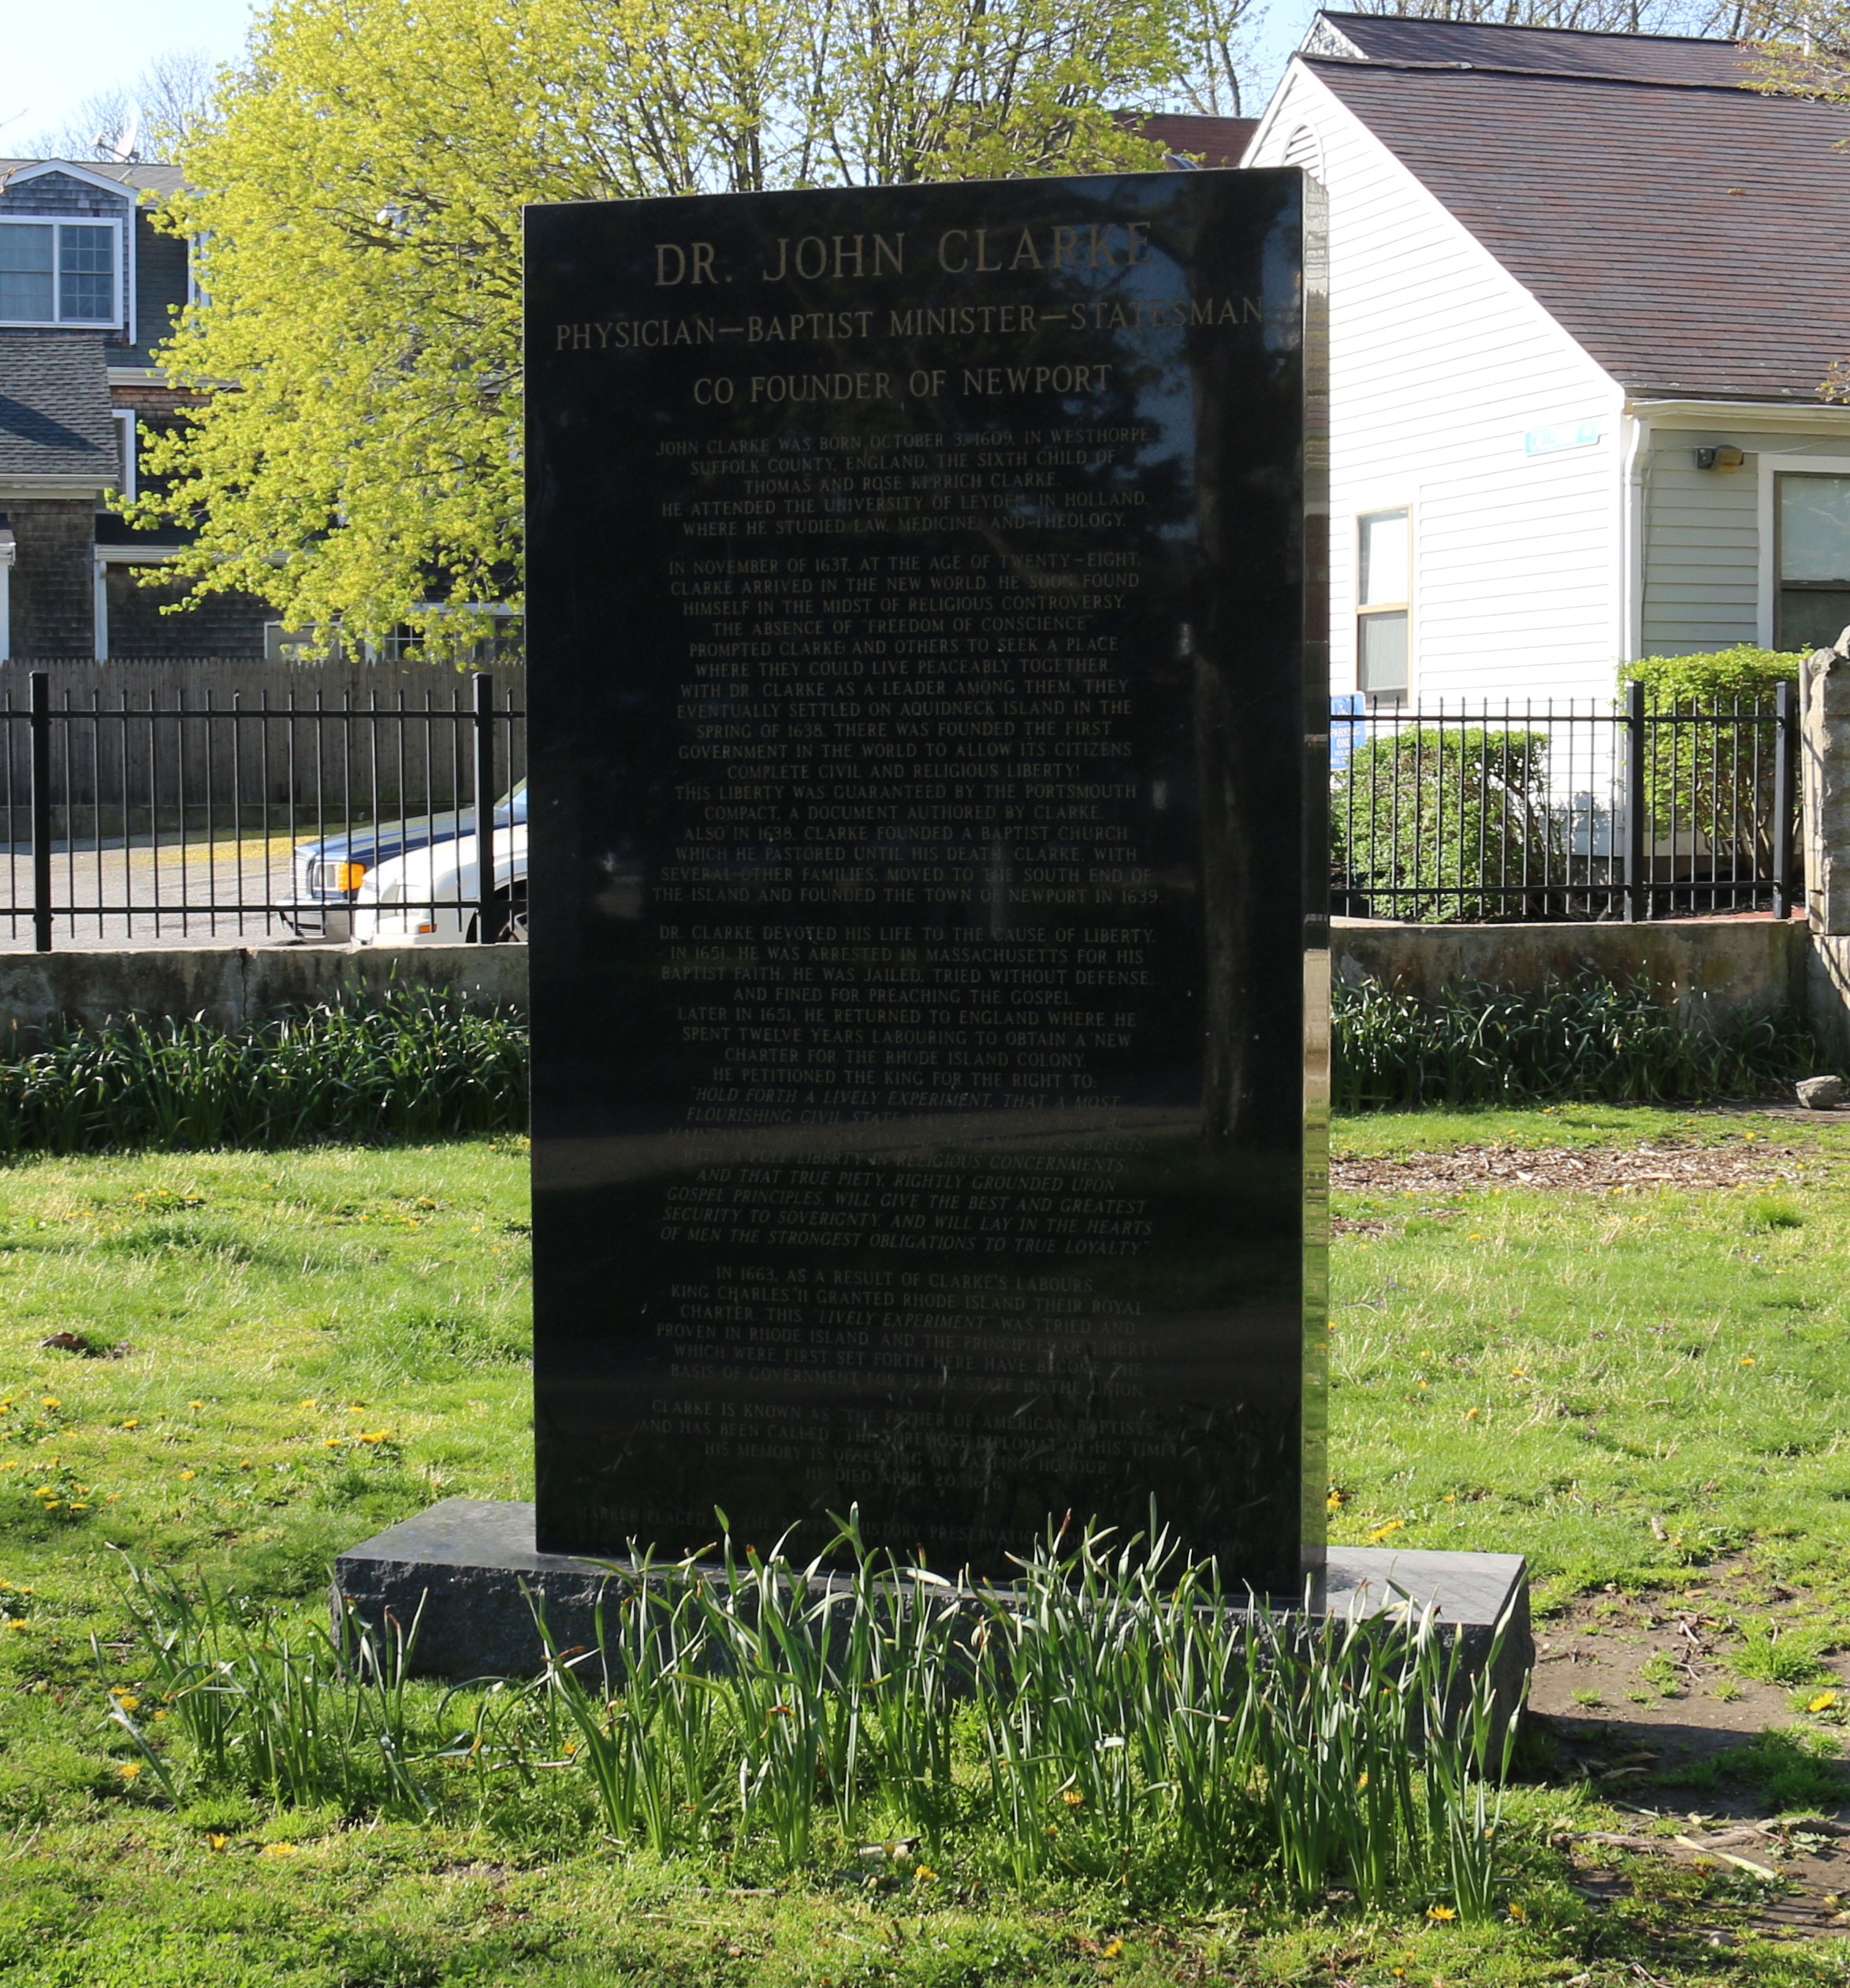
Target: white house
[{"x": 1584, "y": 289}]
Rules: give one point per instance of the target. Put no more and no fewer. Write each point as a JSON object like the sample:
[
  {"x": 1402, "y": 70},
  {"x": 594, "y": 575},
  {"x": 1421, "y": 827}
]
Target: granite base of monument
[{"x": 469, "y": 1565}]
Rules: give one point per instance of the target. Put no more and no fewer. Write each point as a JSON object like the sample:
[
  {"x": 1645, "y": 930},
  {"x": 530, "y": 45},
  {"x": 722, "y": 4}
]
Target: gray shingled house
[
  {"x": 1584, "y": 289},
  {"x": 87, "y": 288}
]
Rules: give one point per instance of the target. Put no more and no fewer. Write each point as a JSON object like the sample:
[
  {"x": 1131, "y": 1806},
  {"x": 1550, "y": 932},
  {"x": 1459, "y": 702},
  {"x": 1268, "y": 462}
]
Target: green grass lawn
[{"x": 1640, "y": 1390}]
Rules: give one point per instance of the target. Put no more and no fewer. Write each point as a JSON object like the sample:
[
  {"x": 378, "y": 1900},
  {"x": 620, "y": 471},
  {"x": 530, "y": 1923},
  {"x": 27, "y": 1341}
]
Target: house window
[
  {"x": 1813, "y": 532},
  {"x": 1383, "y": 597},
  {"x": 60, "y": 272}
]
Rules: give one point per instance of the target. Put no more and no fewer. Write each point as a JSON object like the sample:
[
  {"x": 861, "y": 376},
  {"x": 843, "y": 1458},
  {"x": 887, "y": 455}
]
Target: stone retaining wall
[
  {"x": 1697, "y": 965},
  {"x": 230, "y": 985}
]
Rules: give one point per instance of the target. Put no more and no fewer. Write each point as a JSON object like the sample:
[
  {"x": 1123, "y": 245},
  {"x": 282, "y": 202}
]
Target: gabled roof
[
  {"x": 54, "y": 408},
  {"x": 141, "y": 177},
  {"x": 1683, "y": 232}
]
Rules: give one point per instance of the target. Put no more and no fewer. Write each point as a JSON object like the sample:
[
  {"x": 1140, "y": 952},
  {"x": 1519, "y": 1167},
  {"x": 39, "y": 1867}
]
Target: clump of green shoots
[
  {"x": 1113, "y": 1712},
  {"x": 1473, "y": 1043},
  {"x": 413, "y": 1063}
]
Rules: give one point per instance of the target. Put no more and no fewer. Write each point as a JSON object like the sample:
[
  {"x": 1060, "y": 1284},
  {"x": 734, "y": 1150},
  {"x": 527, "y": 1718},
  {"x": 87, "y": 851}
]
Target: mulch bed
[{"x": 1592, "y": 1170}]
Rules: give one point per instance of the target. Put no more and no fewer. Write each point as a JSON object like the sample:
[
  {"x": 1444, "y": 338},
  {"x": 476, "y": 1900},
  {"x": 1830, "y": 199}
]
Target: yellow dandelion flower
[
  {"x": 1361, "y": 1780},
  {"x": 130, "y": 1770},
  {"x": 1072, "y": 1797},
  {"x": 332, "y": 1441},
  {"x": 127, "y": 1700},
  {"x": 1823, "y": 1702},
  {"x": 132, "y": 1422},
  {"x": 1392, "y": 1526},
  {"x": 1441, "y": 1912},
  {"x": 377, "y": 1435},
  {"x": 925, "y": 1874},
  {"x": 186, "y": 1474},
  {"x": 1747, "y": 1360},
  {"x": 1111, "y": 1948},
  {"x": 195, "y": 1404},
  {"x": 279, "y": 1850},
  {"x": 216, "y": 1842},
  {"x": 50, "y": 1401}
]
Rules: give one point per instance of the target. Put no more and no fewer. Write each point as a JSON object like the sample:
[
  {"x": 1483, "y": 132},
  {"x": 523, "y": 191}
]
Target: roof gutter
[
  {"x": 1764, "y": 414},
  {"x": 26, "y": 486},
  {"x": 1635, "y": 458}
]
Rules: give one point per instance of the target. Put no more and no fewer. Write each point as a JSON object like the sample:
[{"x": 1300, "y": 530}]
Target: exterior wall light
[{"x": 1724, "y": 457}]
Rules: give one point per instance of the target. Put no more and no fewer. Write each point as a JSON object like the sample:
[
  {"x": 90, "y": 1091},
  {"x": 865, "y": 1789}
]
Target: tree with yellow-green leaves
[{"x": 354, "y": 203}]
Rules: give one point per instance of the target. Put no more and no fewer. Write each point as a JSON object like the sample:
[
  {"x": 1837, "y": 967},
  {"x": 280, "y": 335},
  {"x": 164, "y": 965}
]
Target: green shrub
[
  {"x": 1716, "y": 677},
  {"x": 1479, "y": 1044},
  {"x": 1436, "y": 808},
  {"x": 1716, "y": 783},
  {"x": 415, "y": 1063}
]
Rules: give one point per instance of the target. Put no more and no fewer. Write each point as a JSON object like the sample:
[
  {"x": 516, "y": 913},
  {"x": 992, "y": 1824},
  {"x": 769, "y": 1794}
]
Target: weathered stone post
[{"x": 1824, "y": 817}]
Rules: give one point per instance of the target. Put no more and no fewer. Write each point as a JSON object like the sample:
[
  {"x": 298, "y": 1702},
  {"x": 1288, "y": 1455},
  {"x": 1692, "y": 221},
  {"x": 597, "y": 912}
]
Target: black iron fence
[
  {"x": 1547, "y": 811},
  {"x": 137, "y": 813},
  {"x": 132, "y": 816}
]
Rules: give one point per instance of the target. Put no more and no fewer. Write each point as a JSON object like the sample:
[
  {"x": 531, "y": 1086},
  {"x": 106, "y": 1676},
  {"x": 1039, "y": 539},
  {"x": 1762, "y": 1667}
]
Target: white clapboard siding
[{"x": 1440, "y": 364}]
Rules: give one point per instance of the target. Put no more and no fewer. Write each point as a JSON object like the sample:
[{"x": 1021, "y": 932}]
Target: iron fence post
[
  {"x": 1636, "y": 905},
  {"x": 484, "y": 805},
  {"x": 1785, "y": 758},
  {"x": 39, "y": 722}
]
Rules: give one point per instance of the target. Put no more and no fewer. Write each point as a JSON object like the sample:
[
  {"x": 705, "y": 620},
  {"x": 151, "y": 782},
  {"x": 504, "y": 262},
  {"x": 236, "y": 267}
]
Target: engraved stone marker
[{"x": 927, "y": 866}]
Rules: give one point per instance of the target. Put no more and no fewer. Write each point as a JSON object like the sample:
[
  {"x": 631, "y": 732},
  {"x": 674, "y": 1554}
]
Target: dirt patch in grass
[
  {"x": 1723, "y": 1878},
  {"x": 1589, "y": 1170},
  {"x": 1648, "y": 1697}
]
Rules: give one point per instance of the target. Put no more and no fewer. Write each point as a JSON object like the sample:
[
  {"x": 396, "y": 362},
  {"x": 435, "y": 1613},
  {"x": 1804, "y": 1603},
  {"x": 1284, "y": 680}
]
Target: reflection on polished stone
[{"x": 927, "y": 929}]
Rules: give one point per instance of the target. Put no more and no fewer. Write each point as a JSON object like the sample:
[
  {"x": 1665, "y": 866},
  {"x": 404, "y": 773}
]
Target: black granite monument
[{"x": 928, "y": 866}]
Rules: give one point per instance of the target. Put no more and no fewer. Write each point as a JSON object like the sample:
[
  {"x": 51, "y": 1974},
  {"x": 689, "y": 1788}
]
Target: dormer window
[{"x": 61, "y": 273}]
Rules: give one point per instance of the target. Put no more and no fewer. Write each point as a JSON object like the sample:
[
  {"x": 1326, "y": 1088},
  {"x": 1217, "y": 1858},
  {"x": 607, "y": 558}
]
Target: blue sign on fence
[{"x": 1349, "y": 728}]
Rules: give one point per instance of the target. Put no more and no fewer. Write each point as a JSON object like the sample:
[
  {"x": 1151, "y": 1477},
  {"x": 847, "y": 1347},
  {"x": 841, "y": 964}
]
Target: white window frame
[
  {"x": 1770, "y": 468},
  {"x": 103, "y": 557},
  {"x": 6, "y": 553},
  {"x": 56, "y": 321},
  {"x": 1364, "y": 514},
  {"x": 196, "y": 298},
  {"x": 129, "y": 446}
]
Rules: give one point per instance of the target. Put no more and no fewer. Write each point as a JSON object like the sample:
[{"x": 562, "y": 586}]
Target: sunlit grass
[
  {"x": 1549, "y": 1372},
  {"x": 317, "y": 1342}
]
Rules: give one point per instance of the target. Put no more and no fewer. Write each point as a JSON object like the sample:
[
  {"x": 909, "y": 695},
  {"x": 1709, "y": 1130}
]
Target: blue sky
[{"x": 60, "y": 53}]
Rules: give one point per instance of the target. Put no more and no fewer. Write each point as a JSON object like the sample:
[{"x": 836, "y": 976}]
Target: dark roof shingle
[
  {"x": 55, "y": 406},
  {"x": 1544, "y": 51},
  {"x": 1685, "y": 236},
  {"x": 1215, "y": 141}
]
